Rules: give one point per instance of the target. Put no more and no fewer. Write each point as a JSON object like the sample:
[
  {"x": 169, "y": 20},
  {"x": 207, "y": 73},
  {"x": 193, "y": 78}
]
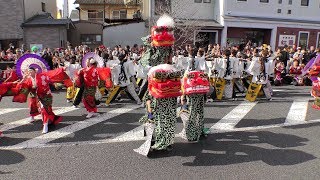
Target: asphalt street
[{"x": 276, "y": 139}]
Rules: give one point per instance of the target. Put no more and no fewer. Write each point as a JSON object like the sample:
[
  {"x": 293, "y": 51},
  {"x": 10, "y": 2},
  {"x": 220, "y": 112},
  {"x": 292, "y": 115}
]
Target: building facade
[
  {"x": 98, "y": 10},
  {"x": 274, "y": 22},
  {"x": 14, "y": 13}
]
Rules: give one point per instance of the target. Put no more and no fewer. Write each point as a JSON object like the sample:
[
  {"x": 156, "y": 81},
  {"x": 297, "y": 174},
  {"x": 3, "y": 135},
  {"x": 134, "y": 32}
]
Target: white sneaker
[
  {"x": 45, "y": 128},
  {"x": 107, "y": 105},
  {"x": 90, "y": 115},
  {"x": 68, "y": 101},
  {"x": 75, "y": 106}
]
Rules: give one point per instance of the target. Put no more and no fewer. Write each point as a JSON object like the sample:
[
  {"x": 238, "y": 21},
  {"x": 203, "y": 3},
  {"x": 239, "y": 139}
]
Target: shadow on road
[
  {"x": 10, "y": 157},
  {"x": 240, "y": 147}
]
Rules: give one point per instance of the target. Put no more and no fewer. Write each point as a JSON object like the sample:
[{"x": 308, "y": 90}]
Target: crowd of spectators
[{"x": 290, "y": 60}]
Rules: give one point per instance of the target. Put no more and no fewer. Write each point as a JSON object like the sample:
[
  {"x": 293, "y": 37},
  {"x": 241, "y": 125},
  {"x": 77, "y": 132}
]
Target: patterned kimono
[
  {"x": 193, "y": 117},
  {"x": 33, "y": 100},
  {"x": 44, "y": 96},
  {"x": 315, "y": 77},
  {"x": 90, "y": 76},
  {"x": 163, "y": 109}
]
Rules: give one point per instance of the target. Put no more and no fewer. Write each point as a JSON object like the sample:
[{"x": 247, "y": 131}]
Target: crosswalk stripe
[
  {"x": 298, "y": 111},
  {"x": 43, "y": 139},
  {"x": 24, "y": 121},
  {"x": 232, "y": 118},
  {"x": 140, "y": 137},
  {"x": 9, "y": 110},
  {"x": 134, "y": 134}
]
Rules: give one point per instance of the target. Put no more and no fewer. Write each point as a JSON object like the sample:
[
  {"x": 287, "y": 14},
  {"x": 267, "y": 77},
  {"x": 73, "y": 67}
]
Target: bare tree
[{"x": 187, "y": 24}]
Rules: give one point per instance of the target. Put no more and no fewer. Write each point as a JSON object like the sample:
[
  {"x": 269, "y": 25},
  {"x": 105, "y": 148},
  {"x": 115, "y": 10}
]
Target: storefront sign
[{"x": 287, "y": 40}]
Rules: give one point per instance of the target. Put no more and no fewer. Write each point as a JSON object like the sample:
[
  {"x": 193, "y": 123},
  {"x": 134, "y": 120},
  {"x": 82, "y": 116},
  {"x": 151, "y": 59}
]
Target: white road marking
[
  {"x": 43, "y": 139},
  {"x": 133, "y": 135},
  {"x": 298, "y": 111},
  {"x": 232, "y": 118},
  {"x": 9, "y": 110},
  {"x": 24, "y": 121},
  {"x": 264, "y": 127},
  {"x": 118, "y": 140}
]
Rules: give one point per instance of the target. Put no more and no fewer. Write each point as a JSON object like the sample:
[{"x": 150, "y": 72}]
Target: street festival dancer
[
  {"x": 164, "y": 87},
  {"x": 195, "y": 85},
  {"x": 40, "y": 83},
  {"x": 91, "y": 78},
  {"x": 315, "y": 77}
]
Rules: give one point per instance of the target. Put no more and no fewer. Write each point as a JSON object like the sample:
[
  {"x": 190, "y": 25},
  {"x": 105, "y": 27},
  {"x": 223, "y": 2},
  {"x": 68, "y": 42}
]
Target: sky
[{"x": 71, "y": 5}]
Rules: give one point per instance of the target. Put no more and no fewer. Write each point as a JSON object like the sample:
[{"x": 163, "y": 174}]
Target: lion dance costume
[
  {"x": 195, "y": 86},
  {"x": 164, "y": 86}
]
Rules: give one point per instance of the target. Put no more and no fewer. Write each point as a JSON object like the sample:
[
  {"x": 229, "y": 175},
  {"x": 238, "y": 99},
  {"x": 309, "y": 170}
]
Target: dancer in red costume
[
  {"x": 90, "y": 76},
  {"x": 33, "y": 100},
  {"x": 39, "y": 83},
  {"x": 11, "y": 74}
]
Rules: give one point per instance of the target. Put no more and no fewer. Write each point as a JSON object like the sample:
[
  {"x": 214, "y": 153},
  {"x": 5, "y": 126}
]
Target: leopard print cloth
[
  {"x": 193, "y": 120},
  {"x": 165, "y": 117}
]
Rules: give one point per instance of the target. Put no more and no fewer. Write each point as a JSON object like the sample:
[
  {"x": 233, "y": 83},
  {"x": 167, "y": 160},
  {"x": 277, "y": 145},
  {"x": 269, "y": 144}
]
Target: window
[
  {"x": 289, "y": 11},
  {"x": 318, "y": 40},
  {"x": 90, "y": 38},
  {"x": 43, "y": 7},
  {"x": 264, "y": 1},
  {"x": 304, "y": 2},
  {"x": 280, "y": 1},
  {"x": 95, "y": 15},
  {"x": 206, "y": 1},
  {"x": 279, "y": 11},
  {"x": 303, "y": 39},
  {"x": 162, "y": 6},
  {"x": 122, "y": 14},
  {"x": 290, "y": 2},
  {"x": 198, "y": 1}
]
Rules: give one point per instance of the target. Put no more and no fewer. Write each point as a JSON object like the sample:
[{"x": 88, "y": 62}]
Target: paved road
[{"x": 264, "y": 140}]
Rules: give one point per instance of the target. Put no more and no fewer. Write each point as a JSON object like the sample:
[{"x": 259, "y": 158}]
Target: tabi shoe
[
  {"x": 90, "y": 115},
  {"x": 75, "y": 106},
  {"x": 31, "y": 120},
  {"x": 209, "y": 100},
  {"x": 45, "y": 128}
]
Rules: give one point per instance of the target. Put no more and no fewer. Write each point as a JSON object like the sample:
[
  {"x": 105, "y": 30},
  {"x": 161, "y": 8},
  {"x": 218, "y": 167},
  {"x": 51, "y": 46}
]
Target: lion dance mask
[
  {"x": 196, "y": 82},
  {"x": 164, "y": 81},
  {"x": 163, "y": 33}
]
